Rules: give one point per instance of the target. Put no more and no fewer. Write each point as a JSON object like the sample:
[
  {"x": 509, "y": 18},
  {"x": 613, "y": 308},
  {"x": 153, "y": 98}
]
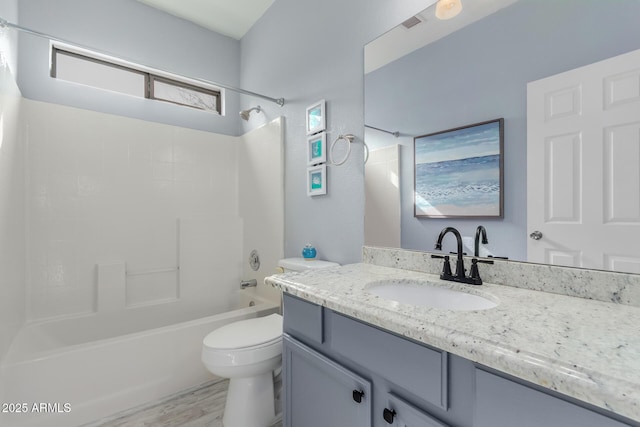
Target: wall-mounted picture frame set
[
  {"x": 316, "y": 125},
  {"x": 458, "y": 173}
]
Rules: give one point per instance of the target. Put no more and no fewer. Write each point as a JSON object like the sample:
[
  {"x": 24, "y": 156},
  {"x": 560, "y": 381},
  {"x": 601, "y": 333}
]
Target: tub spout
[{"x": 248, "y": 284}]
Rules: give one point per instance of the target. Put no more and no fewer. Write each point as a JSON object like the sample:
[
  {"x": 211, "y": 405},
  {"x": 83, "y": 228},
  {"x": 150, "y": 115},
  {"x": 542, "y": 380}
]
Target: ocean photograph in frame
[{"x": 458, "y": 173}]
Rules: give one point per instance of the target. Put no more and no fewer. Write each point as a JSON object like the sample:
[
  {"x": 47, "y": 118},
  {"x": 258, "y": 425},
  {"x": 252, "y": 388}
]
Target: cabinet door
[
  {"x": 399, "y": 413},
  {"x": 321, "y": 393}
]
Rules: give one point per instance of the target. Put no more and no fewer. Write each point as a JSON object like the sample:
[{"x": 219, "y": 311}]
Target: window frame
[{"x": 149, "y": 77}]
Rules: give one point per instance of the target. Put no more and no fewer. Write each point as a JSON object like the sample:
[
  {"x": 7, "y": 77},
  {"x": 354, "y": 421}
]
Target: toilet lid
[{"x": 246, "y": 333}]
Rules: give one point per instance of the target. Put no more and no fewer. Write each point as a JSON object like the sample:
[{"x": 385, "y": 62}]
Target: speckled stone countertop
[{"x": 583, "y": 348}]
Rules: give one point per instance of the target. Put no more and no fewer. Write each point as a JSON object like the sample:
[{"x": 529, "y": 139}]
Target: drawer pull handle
[
  {"x": 388, "y": 415},
  {"x": 357, "y": 395}
]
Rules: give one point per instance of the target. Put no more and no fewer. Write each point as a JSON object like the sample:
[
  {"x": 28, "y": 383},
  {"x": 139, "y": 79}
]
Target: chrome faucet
[
  {"x": 460, "y": 276},
  {"x": 476, "y": 248}
]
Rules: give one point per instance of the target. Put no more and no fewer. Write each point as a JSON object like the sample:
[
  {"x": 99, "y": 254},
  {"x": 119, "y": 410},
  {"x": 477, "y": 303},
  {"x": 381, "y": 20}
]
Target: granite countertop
[{"x": 586, "y": 349}]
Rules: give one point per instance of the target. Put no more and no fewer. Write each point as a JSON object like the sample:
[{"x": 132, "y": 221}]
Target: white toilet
[{"x": 247, "y": 352}]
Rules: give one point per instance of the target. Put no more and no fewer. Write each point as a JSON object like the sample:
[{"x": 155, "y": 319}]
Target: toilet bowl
[{"x": 247, "y": 352}]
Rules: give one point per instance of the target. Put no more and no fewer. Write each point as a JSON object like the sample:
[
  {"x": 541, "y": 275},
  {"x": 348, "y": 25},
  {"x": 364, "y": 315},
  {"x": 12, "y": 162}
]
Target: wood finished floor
[{"x": 201, "y": 407}]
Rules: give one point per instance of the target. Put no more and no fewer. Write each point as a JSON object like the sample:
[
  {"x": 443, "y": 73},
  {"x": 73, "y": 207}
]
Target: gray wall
[
  {"x": 133, "y": 31},
  {"x": 306, "y": 50},
  {"x": 480, "y": 73}
]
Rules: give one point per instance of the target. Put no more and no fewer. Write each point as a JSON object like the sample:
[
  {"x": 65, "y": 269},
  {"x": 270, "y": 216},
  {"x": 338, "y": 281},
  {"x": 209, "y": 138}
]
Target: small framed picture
[
  {"x": 317, "y": 180},
  {"x": 316, "y": 118},
  {"x": 317, "y": 149}
]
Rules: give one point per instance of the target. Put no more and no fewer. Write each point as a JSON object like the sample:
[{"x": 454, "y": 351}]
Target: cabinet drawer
[
  {"x": 414, "y": 367},
  {"x": 502, "y": 402},
  {"x": 302, "y": 319}
]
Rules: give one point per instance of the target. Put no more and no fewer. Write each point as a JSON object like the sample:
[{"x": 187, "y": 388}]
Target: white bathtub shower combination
[
  {"x": 91, "y": 364},
  {"x": 137, "y": 235}
]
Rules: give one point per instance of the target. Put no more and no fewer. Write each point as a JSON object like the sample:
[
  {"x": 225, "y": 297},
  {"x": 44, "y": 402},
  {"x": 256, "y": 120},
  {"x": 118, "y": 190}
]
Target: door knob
[{"x": 536, "y": 235}]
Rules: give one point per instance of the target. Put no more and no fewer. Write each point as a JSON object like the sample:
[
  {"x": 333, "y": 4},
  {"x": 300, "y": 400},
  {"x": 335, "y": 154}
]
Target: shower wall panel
[
  {"x": 105, "y": 189},
  {"x": 12, "y": 224}
]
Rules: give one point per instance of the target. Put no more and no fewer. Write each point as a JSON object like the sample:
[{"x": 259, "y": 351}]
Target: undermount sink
[{"x": 421, "y": 293}]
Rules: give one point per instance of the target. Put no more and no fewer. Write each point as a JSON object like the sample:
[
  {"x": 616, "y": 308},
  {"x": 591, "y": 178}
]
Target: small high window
[{"x": 101, "y": 72}]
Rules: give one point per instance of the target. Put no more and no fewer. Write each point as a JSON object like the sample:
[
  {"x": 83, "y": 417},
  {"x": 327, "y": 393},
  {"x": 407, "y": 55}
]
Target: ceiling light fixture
[{"x": 447, "y": 9}]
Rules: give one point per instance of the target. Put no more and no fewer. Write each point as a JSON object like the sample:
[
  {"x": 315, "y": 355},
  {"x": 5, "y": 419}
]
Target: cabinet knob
[
  {"x": 388, "y": 415},
  {"x": 357, "y": 395}
]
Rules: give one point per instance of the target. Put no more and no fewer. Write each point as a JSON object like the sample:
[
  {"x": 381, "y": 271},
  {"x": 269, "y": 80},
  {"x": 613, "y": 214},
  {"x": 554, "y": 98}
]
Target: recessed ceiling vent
[{"x": 411, "y": 22}]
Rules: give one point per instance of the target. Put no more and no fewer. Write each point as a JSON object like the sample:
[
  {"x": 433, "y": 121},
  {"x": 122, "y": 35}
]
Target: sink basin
[{"x": 421, "y": 293}]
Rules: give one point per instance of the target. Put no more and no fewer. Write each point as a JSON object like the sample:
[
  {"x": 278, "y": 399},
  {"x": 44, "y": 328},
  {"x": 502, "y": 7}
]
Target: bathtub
[{"x": 73, "y": 371}]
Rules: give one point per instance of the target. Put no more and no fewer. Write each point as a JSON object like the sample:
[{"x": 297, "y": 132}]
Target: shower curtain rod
[
  {"x": 6, "y": 24},
  {"x": 396, "y": 133}
]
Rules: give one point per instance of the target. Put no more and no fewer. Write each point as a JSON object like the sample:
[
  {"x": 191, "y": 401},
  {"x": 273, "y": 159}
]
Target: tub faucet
[
  {"x": 251, "y": 283},
  {"x": 476, "y": 248}
]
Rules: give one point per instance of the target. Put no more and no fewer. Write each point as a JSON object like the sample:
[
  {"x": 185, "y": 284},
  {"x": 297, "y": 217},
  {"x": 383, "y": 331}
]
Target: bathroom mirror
[{"x": 429, "y": 75}]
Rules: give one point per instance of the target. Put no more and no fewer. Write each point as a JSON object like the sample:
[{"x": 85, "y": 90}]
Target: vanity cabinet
[{"x": 339, "y": 371}]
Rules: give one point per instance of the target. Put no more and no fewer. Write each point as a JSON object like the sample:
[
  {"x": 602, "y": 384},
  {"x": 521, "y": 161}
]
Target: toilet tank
[{"x": 301, "y": 264}]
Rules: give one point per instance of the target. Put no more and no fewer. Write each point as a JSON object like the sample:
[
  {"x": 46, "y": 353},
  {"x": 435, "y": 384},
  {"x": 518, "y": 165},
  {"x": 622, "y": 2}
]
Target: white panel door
[{"x": 583, "y": 166}]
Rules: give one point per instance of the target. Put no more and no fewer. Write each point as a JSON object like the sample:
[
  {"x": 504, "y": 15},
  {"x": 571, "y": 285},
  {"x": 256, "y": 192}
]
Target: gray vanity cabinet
[{"x": 341, "y": 372}]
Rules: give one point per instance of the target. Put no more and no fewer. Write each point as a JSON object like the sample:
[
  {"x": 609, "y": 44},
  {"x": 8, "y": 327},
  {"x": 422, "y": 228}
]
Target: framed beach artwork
[
  {"x": 317, "y": 149},
  {"x": 458, "y": 173},
  {"x": 316, "y": 121},
  {"x": 317, "y": 180}
]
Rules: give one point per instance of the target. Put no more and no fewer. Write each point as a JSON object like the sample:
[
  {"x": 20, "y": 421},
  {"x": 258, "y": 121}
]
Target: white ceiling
[{"x": 231, "y": 18}]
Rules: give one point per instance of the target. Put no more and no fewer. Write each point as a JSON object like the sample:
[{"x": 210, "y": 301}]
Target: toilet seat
[
  {"x": 246, "y": 333},
  {"x": 244, "y": 342}
]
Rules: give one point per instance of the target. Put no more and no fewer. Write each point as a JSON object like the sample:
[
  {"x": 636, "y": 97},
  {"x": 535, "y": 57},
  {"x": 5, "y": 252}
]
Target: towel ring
[{"x": 349, "y": 139}]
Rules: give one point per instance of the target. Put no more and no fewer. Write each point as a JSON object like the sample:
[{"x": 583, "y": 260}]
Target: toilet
[{"x": 247, "y": 352}]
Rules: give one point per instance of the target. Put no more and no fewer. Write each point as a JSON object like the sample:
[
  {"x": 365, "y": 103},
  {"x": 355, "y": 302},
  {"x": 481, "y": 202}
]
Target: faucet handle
[
  {"x": 446, "y": 267},
  {"x": 475, "y": 272}
]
